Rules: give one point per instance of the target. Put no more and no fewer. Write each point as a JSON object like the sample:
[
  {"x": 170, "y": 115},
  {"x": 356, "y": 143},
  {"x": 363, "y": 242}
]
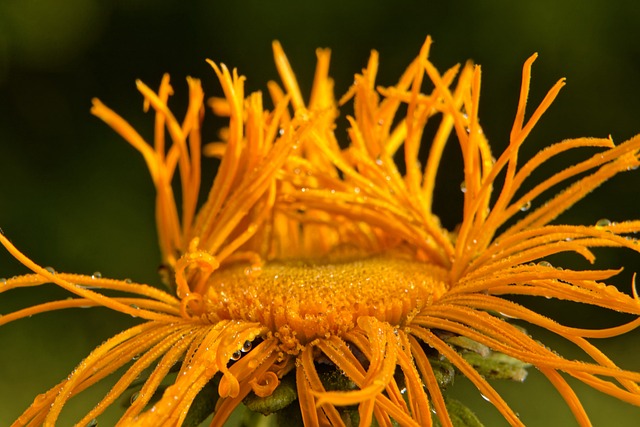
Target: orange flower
[{"x": 309, "y": 260}]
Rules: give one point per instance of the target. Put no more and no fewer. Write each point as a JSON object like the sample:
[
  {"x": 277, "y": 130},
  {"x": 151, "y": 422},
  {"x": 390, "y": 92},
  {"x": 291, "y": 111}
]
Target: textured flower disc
[{"x": 316, "y": 298}]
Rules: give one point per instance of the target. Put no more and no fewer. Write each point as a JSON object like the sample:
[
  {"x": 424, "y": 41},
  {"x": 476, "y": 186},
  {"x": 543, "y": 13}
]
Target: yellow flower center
[{"x": 301, "y": 300}]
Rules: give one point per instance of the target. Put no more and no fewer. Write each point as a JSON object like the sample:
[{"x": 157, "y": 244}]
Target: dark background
[{"x": 76, "y": 197}]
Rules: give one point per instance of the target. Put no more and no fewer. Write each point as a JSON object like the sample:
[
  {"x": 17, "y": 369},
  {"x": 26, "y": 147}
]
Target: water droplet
[
  {"x": 236, "y": 355},
  {"x": 133, "y": 398},
  {"x": 545, "y": 264},
  {"x": 92, "y": 423},
  {"x": 51, "y": 270},
  {"x": 39, "y": 400},
  {"x": 96, "y": 275},
  {"x": 128, "y": 281},
  {"x": 506, "y": 316},
  {"x": 603, "y": 222},
  {"x": 165, "y": 276},
  {"x": 246, "y": 346},
  {"x": 463, "y": 186},
  {"x": 3, "y": 281},
  {"x": 135, "y": 357},
  {"x": 281, "y": 131},
  {"x": 526, "y": 206},
  {"x": 485, "y": 398}
]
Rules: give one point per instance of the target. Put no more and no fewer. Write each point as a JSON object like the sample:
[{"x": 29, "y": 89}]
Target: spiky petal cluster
[{"x": 320, "y": 255}]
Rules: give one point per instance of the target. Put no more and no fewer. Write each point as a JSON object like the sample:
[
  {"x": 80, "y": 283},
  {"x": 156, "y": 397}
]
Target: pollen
[{"x": 316, "y": 298}]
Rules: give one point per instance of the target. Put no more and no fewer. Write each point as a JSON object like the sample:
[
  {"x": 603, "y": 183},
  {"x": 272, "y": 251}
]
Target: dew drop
[
  {"x": 92, "y": 423},
  {"x": 135, "y": 307},
  {"x": 485, "y": 398},
  {"x": 506, "y": 316},
  {"x": 50, "y": 270},
  {"x": 236, "y": 355},
  {"x": 39, "y": 399},
  {"x": 526, "y": 206},
  {"x": 603, "y": 222},
  {"x": 128, "y": 281},
  {"x": 246, "y": 346},
  {"x": 134, "y": 397},
  {"x": 281, "y": 131},
  {"x": 96, "y": 275},
  {"x": 253, "y": 271},
  {"x": 135, "y": 357},
  {"x": 463, "y": 186},
  {"x": 164, "y": 273},
  {"x": 3, "y": 281},
  {"x": 545, "y": 264}
]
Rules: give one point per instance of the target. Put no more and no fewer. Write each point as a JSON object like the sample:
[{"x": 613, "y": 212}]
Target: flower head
[{"x": 323, "y": 265}]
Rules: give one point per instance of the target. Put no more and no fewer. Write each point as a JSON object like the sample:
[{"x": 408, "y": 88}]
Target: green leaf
[
  {"x": 460, "y": 415},
  {"x": 444, "y": 372},
  {"x": 497, "y": 366},
  {"x": 281, "y": 397},
  {"x": 203, "y": 404}
]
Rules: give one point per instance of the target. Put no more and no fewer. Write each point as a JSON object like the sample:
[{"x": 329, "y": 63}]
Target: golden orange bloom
[{"x": 310, "y": 258}]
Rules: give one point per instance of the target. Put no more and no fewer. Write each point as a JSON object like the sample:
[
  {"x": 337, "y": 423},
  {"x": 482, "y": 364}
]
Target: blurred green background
[{"x": 75, "y": 197}]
